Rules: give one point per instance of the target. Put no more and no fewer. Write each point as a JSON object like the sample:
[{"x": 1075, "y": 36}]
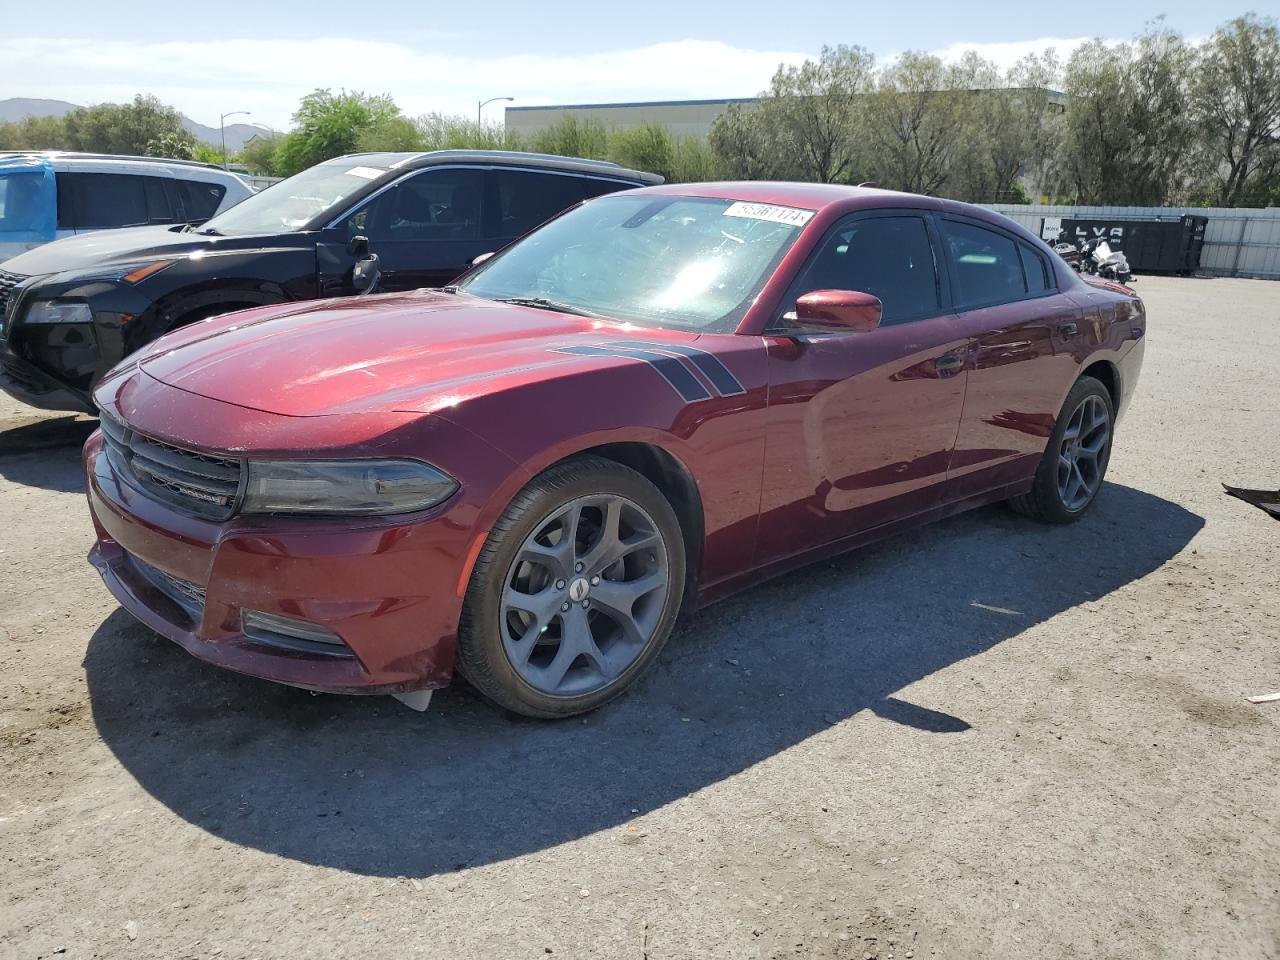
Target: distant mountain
[{"x": 15, "y": 108}]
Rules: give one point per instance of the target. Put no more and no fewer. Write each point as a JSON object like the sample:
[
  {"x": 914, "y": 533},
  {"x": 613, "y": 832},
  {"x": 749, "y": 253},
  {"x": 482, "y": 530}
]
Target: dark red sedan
[{"x": 659, "y": 398}]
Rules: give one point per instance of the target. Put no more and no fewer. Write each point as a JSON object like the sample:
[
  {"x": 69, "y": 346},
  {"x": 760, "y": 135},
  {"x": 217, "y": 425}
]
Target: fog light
[{"x": 290, "y": 634}]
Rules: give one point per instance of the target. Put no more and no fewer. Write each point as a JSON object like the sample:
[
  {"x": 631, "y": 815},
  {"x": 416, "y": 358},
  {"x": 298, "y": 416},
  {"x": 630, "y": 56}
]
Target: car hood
[
  {"x": 104, "y": 248},
  {"x": 418, "y": 352}
]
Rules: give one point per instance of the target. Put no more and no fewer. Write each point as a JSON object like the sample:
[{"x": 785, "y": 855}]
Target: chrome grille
[
  {"x": 187, "y": 595},
  {"x": 204, "y": 485}
]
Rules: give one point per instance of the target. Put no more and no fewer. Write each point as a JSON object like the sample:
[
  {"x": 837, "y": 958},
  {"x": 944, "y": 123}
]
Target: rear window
[
  {"x": 527, "y": 199},
  {"x": 986, "y": 265},
  {"x": 202, "y": 199}
]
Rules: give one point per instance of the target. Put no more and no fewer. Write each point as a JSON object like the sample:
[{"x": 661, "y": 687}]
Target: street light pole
[
  {"x": 483, "y": 103},
  {"x": 222, "y": 129}
]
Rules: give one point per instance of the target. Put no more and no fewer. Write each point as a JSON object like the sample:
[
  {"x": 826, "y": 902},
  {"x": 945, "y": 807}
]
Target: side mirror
[
  {"x": 839, "y": 311},
  {"x": 364, "y": 275},
  {"x": 358, "y": 247},
  {"x": 481, "y": 259}
]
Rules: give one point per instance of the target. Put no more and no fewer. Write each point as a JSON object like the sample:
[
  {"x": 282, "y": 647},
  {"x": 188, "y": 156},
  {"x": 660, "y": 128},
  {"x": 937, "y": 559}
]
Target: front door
[
  {"x": 861, "y": 425},
  {"x": 426, "y": 229}
]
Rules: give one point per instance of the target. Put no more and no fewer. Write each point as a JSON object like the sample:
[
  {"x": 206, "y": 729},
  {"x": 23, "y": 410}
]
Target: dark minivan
[{"x": 73, "y": 309}]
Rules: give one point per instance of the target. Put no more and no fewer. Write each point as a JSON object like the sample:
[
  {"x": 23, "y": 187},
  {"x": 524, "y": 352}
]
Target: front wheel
[
  {"x": 1074, "y": 465},
  {"x": 575, "y": 591}
]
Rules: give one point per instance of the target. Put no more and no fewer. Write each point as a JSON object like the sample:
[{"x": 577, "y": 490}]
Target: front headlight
[
  {"x": 58, "y": 311},
  {"x": 344, "y": 487}
]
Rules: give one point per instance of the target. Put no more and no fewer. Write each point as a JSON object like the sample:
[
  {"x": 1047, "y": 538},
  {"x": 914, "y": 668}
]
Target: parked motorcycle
[
  {"x": 1096, "y": 256},
  {"x": 1067, "y": 250}
]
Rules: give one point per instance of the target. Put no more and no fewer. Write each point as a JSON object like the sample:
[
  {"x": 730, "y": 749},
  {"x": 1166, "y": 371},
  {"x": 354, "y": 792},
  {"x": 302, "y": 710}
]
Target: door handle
[
  {"x": 949, "y": 364},
  {"x": 1068, "y": 329}
]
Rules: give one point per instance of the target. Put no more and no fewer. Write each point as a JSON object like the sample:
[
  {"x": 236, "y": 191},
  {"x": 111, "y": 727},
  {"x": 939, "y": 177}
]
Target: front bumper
[
  {"x": 31, "y": 385},
  {"x": 386, "y": 590}
]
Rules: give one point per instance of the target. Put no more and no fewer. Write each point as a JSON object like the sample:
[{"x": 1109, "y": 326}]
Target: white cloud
[
  {"x": 267, "y": 77},
  {"x": 1006, "y": 53}
]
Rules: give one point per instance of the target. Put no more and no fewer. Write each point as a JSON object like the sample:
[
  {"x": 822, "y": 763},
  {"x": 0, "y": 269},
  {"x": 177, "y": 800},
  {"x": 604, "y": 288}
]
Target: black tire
[
  {"x": 482, "y": 657},
  {"x": 1044, "y": 501}
]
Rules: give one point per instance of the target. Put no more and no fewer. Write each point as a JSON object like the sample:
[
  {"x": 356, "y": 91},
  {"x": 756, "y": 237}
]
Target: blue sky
[{"x": 263, "y": 56}]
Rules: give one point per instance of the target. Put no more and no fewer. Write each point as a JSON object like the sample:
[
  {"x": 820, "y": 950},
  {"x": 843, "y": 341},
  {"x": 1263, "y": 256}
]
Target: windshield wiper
[
  {"x": 542, "y": 303},
  {"x": 209, "y": 232},
  {"x": 451, "y": 288}
]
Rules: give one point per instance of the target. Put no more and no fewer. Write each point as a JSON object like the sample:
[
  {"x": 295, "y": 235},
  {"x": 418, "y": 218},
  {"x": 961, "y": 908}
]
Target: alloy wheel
[
  {"x": 1082, "y": 456},
  {"x": 584, "y": 595}
]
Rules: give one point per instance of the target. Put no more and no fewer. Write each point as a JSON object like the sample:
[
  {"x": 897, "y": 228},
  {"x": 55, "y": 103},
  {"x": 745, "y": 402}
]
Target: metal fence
[{"x": 1238, "y": 242}]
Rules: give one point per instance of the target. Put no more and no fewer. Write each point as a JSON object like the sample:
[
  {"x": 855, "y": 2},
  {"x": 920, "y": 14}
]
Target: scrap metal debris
[{"x": 1267, "y": 500}]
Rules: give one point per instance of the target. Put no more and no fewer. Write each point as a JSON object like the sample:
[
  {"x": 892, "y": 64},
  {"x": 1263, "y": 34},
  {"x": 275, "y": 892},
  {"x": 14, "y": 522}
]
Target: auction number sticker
[
  {"x": 365, "y": 173},
  {"x": 792, "y": 216}
]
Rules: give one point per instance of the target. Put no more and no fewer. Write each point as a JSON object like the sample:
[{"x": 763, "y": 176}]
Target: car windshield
[
  {"x": 692, "y": 263},
  {"x": 291, "y": 204}
]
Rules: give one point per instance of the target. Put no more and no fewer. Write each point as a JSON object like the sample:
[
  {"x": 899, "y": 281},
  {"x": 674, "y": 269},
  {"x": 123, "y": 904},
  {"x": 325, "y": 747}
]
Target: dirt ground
[{"x": 989, "y": 738}]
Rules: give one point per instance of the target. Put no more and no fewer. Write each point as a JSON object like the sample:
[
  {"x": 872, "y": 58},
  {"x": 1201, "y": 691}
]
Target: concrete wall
[
  {"x": 1238, "y": 242},
  {"x": 682, "y": 118}
]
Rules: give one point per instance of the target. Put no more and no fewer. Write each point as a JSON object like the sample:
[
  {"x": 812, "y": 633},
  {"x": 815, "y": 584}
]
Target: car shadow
[
  {"x": 364, "y": 785},
  {"x": 45, "y": 452}
]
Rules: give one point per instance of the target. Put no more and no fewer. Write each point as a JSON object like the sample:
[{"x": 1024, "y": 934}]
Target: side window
[
  {"x": 159, "y": 207},
  {"x": 434, "y": 205},
  {"x": 1037, "y": 272},
  {"x": 66, "y": 201},
  {"x": 201, "y": 198},
  {"x": 986, "y": 265},
  {"x": 109, "y": 200},
  {"x": 527, "y": 199},
  {"x": 598, "y": 188},
  {"x": 888, "y": 257}
]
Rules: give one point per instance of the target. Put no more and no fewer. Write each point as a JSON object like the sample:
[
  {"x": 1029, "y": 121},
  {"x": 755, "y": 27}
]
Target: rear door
[
  {"x": 521, "y": 200},
  {"x": 1023, "y": 330},
  {"x": 101, "y": 201}
]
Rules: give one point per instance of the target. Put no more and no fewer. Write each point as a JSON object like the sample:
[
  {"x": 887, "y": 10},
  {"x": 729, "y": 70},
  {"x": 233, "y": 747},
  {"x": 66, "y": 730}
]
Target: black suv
[{"x": 73, "y": 309}]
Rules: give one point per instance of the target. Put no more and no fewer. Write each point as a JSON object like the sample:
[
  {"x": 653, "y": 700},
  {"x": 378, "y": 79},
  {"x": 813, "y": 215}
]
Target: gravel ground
[{"x": 987, "y": 738}]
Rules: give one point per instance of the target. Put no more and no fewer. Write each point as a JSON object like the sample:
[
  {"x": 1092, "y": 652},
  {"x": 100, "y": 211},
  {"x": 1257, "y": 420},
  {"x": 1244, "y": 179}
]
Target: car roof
[
  {"x": 76, "y": 159},
  {"x": 403, "y": 161},
  {"x": 819, "y": 196},
  {"x": 813, "y": 196}
]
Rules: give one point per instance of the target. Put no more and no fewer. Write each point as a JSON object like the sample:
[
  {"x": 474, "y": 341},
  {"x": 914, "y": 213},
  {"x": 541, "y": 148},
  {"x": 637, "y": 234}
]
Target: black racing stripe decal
[
  {"x": 712, "y": 367},
  {"x": 672, "y": 370}
]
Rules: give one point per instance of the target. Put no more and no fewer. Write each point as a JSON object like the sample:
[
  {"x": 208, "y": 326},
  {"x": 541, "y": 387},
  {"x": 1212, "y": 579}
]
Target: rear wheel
[
  {"x": 1070, "y": 475},
  {"x": 575, "y": 591}
]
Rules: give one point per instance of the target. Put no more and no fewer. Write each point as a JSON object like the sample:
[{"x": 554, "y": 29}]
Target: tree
[
  {"x": 258, "y": 155},
  {"x": 328, "y": 125},
  {"x": 807, "y": 126},
  {"x": 1040, "y": 114},
  {"x": 743, "y": 147},
  {"x": 1127, "y": 125},
  {"x": 123, "y": 128},
  {"x": 694, "y": 161},
  {"x": 1235, "y": 103},
  {"x": 646, "y": 148},
  {"x": 443, "y": 132},
  {"x": 174, "y": 145},
  {"x": 915, "y": 118},
  {"x": 571, "y": 137},
  {"x": 391, "y": 134},
  {"x": 815, "y": 111}
]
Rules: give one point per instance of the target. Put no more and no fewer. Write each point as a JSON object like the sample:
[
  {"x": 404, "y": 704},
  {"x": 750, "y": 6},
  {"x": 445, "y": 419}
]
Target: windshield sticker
[
  {"x": 365, "y": 173},
  {"x": 792, "y": 216}
]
